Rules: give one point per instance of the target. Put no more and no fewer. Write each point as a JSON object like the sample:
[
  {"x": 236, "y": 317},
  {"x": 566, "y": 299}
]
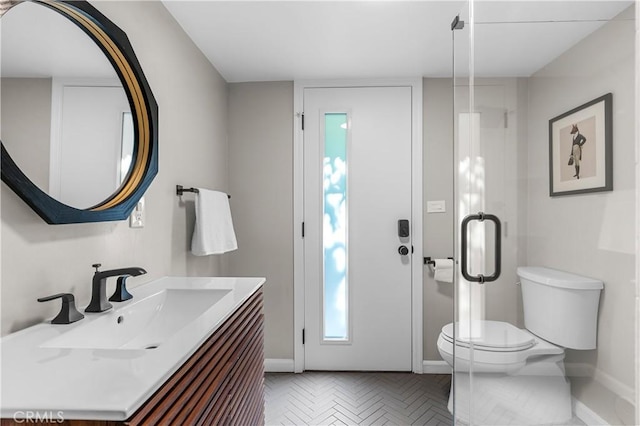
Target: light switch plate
[{"x": 436, "y": 206}]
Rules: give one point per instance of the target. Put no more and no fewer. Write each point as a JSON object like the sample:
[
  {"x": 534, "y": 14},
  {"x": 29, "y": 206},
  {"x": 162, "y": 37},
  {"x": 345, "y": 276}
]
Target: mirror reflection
[{"x": 66, "y": 120}]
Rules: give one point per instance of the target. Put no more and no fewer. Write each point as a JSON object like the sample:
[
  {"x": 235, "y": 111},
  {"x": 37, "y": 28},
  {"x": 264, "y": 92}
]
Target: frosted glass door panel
[{"x": 335, "y": 297}]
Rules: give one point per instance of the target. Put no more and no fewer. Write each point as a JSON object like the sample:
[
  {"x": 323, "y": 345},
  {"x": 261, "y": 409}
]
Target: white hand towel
[
  {"x": 444, "y": 270},
  {"x": 213, "y": 232}
]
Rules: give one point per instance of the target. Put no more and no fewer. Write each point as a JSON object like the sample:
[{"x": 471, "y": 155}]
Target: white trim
[
  {"x": 416, "y": 224},
  {"x": 578, "y": 369},
  {"x": 436, "y": 367},
  {"x": 617, "y": 387},
  {"x": 298, "y": 218},
  {"x": 585, "y": 414},
  {"x": 276, "y": 365},
  {"x": 637, "y": 131},
  {"x": 416, "y": 209}
]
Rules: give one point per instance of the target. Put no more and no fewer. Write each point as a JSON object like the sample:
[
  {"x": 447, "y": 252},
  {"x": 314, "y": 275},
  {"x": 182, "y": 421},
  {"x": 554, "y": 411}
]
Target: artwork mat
[{"x": 600, "y": 109}]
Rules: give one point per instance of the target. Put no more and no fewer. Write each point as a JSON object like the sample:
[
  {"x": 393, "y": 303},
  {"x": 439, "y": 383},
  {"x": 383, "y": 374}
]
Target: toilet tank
[{"x": 560, "y": 307}]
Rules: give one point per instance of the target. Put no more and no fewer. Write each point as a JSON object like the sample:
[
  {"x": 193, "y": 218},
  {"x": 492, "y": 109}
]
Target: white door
[
  {"x": 357, "y": 187},
  {"x": 87, "y": 151}
]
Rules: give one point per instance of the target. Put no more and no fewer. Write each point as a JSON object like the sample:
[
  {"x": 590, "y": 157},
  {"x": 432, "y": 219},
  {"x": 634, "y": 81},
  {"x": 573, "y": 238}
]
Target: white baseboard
[
  {"x": 588, "y": 370},
  {"x": 585, "y": 414},
  {"x": 435, "y": 367},
  {"x": 623, "y": 391},
  {"x": 277, "y": 365}
]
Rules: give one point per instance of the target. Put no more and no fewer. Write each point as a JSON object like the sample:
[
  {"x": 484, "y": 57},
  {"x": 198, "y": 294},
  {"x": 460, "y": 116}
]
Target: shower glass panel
[
  {"x": 532, "y": 80},
  {"x": 465, "y": 127}
]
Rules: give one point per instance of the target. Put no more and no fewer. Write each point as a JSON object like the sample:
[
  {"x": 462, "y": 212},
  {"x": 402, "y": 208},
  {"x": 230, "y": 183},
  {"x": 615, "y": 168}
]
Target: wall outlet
[{"x": 136, "y": 220}]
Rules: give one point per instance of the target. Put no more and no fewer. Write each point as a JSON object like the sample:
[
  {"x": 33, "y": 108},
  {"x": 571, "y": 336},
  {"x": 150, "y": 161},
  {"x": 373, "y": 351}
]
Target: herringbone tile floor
[{"x": 353, "y": 398}]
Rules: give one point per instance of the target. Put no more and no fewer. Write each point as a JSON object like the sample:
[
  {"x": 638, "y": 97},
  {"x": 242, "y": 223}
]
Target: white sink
[
  {"x": 99, "y": 368},
  {"x": 142, "y": 324}
]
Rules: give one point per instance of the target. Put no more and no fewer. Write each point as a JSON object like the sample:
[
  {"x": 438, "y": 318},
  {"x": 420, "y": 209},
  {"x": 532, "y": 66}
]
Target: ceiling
[
  {"x": 290, "y": 40},
  {"x": 293, "y": 40},
  {"x": 38, "y": 42}
]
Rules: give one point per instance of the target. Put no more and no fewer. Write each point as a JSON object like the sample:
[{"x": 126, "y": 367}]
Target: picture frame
[{"x": 581, "y": 149}]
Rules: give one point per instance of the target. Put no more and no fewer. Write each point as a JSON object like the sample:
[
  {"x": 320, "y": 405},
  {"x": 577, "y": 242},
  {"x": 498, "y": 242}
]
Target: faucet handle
[
  {"x": 68, "y": 314},
  {"x": 121, "y": 294},
  {"x": 96, "y": 265}
]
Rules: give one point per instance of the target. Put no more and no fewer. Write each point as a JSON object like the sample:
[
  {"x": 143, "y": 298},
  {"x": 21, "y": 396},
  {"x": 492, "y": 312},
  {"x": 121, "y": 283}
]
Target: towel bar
[{"x": 180, "y": 190}]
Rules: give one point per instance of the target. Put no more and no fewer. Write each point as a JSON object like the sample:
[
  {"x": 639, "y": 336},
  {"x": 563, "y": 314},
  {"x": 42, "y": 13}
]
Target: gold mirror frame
[{"x": 115, "y": 45}]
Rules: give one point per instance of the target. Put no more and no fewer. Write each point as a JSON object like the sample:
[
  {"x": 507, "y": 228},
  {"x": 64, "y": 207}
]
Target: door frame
[
  {"x": 416, "y": 210},
  {"x": 637, "y": 103}
]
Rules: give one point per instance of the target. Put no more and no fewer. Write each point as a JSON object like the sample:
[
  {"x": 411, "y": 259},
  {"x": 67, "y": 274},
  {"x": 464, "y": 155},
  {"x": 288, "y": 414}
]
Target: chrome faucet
[{"x": 99, "y": 301}]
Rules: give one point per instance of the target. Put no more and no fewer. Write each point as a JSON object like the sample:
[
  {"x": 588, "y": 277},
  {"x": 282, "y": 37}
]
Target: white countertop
[{"x": 105, "y": 384}]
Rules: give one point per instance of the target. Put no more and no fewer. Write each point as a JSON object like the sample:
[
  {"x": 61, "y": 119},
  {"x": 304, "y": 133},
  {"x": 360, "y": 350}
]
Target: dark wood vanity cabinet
[{"x": 221, "y": 384}]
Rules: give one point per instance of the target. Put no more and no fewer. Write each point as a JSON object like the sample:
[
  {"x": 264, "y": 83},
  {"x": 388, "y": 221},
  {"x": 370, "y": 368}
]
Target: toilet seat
[
  {"x": 504, "y": 349},
  {"x": 495, "y": 336}
]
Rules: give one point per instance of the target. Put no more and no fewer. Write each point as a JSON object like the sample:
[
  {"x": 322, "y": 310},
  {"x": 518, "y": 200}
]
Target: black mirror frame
[{"x": 117, "y": 48}]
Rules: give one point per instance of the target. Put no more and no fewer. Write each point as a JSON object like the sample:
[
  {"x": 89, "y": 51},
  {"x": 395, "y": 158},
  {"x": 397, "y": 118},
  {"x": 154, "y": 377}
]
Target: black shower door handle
[{"x": 480, "y": 217}]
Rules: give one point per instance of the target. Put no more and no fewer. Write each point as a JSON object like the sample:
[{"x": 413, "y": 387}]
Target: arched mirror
[{"x": 79, "y": 122}]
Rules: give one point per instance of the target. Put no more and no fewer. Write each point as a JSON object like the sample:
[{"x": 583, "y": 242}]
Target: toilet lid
[{"x": 494, "y": 335}]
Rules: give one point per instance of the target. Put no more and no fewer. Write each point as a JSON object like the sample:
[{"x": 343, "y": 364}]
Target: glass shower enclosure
[{"x": 544, "y": 126}]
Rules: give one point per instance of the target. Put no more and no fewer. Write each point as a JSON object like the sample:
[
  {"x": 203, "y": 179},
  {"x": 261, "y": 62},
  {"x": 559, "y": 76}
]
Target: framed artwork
[{"x": 581, "y": 149}]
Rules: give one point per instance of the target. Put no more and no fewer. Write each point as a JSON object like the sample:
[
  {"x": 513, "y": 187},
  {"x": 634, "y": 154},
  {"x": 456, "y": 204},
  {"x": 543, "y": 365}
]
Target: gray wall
[
  {"x": 261, "y": 184},
  {"x": 26, "y": 125},
  {"x": 592, "y": 235},
  {"x": 438, "y": 227},
  {"x": 39, "y": 259}
]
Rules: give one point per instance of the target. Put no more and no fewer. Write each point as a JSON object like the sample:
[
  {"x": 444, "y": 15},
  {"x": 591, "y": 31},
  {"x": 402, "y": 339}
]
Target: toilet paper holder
[{"x": 432, "y": 262}]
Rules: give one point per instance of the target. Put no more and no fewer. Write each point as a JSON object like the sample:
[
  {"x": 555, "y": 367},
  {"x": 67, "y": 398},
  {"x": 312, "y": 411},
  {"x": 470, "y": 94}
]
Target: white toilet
[{"x": 518, "y": 374}]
